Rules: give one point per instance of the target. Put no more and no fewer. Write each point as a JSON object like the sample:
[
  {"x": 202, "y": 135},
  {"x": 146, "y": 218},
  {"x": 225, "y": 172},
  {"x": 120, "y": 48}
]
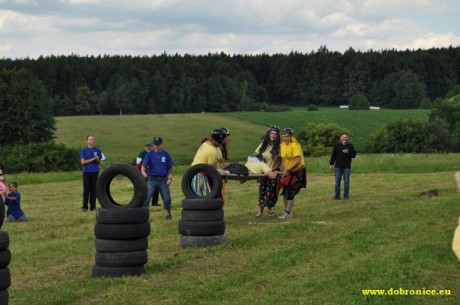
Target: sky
[{"x": 33, "y": 28}]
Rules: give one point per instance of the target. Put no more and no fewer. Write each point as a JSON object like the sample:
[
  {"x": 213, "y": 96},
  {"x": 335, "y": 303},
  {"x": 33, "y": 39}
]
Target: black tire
[
  {"x": 4, "y": 240},
  {"x": 5, "y": 278},
  {"x": 202, "y": 241},
  {"x": 122, "y": 216},
  {"x": 5, "y": 258},
  {"x": 204, "y": 228},
  {"x": 203, "y": 204},
  {"x": 210, "y": 172},
  {"x": 2, "y": 211},
  {"x": 203, "y": 215},
  {"x": 105, "y": 179},
  {"x": 131, "y": 245},
  {"x": 98, "y": 271},
  {"x": 4, "y": 297},
  {"x": 121, "y": 259},
  {"x": 122, "y": 231}
]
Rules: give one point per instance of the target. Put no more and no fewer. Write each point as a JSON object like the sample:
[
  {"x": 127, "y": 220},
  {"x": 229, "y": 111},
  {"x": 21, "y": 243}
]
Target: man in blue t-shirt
[
  {"x": 90, "y": 158},
  {"x": 157, "y": 168}
]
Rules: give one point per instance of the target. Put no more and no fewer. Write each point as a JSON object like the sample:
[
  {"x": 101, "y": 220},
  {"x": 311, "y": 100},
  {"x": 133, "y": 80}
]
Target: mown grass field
[{"x": 386, "y": 236}]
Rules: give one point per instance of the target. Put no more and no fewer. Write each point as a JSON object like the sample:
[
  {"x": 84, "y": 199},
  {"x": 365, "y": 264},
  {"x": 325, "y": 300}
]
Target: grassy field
[
  {"x": 385, "y": 237},
  {"x": 361, "y": 123},
  {"x": 121, "y": 138}
]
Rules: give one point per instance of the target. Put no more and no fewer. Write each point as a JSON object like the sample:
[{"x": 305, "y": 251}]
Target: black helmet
[
  {"x": 274, "y": 128},
  {"x": 289, "y": 131},
  {"x": 227, "y": 131},
  {"x": 219, "y": 134}
]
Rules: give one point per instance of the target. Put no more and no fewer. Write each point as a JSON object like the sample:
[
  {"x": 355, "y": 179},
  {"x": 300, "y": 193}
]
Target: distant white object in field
[
  {"x": 343, "y": 106},
  {"x": 374, "y": 108}
]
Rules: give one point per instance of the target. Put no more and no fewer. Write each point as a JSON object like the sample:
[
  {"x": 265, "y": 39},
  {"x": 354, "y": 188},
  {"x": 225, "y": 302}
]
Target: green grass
[
  {"x": 385, "y": 236},
  {"x": 361, "y": 123}
]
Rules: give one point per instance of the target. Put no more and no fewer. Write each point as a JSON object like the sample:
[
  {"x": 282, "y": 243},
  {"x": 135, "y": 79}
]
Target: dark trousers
[{"x": 89, "y": 189}]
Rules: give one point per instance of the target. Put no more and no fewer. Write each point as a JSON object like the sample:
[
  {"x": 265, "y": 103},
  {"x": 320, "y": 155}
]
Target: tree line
[{"x": 219, "y": 82}]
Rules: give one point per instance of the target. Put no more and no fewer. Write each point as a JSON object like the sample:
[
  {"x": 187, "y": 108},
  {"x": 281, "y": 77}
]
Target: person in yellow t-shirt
[
  {"x": 294, "y": 170},
  {"x": 456, "y": 241},
  {"x": 213, "y": 150},
  {"x": 270, "y": 151}
]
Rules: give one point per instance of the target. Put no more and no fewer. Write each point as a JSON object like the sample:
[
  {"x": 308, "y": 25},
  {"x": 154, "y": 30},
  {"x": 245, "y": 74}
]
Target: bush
[
  {"x": 426, "y": 103},
  {"x": 39, "y": 157},
  {"x": 318, "y": 139},
  {"x": 444, "y": 123},
  {"x": 312, "y": 107},
  {"x": 403, "y": 136},
  {"x": 358, "y": 102}
]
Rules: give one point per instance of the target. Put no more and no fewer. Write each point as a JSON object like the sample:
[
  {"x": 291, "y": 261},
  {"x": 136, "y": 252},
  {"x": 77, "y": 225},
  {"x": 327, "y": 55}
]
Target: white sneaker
[{"x": 285, "y": 216}]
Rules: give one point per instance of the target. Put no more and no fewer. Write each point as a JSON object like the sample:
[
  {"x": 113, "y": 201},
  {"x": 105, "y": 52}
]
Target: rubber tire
[
  {"x": 4, "y": 240},
  {"x": 204, "y": 228},
  {"x": 203, "y": 215},
  {"x": 122, "y": 216},
  {"x": 5, "y": 278},
  {"x": 111, "y": 246},
  {"x": 202, "y": 204},
  {"x": 4, "y": 297},
  {"x": 121, "y": 259},
  {"x": 98, "y": 271},
  {"x": 122, "y": 231},
  {"x": 105, "y": 179},
  {"x": 5, "y": 258},
  {"x": 212, "y": 174},
  {"x": 202, "y": 241},
  {"x": 2, "y": 211}
]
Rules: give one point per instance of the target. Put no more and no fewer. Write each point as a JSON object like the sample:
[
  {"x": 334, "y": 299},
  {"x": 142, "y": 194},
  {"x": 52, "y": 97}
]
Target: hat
[
  {"x": 148, "y": 144},
  {"x": 157, "y": 140}
]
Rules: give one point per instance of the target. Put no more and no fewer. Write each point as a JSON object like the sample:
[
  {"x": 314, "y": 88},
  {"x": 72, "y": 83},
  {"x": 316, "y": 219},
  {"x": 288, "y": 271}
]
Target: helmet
[
  {"x": 289, "y": 131},
  {"x": 274, "y": 128},
  {"x": 227, "y": 131},
  {"x": 219, "y": 134}
]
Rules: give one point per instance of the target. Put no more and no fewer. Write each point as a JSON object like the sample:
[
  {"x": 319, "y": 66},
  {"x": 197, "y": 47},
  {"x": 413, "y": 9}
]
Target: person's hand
[
  {"x": 145, "y": 175},
  {"x": 169, "y": 181},
  {"x": 330, "y": 167},
  {"x": 345, "y": 151}
]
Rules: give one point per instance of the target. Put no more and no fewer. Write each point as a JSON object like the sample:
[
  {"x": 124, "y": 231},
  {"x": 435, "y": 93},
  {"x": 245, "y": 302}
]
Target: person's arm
[
  {"x": 170, "y": 176},
  {"x": 88, "y": 161},
  {"x": 293, "y": 166},
  {"x": 143, "y": 171},
  {"x": 351, "y": 151},
  {"x": 277, "y": 163},
  {"x": 332, "y": 160}
]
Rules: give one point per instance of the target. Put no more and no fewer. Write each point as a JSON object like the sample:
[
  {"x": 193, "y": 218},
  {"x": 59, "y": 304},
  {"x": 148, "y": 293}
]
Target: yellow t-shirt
[
  {"x": 207, "y": 154},
  {"x": 258, "y": 167},
  {"x": 267, "y": 155},
  {"x": 289, "y": 152},
  {"x": 456, "y": 241}
]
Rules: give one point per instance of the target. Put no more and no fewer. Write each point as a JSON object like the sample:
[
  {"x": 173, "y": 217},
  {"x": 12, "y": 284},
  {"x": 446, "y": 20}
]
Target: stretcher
[{"x": 226, "y": 175}]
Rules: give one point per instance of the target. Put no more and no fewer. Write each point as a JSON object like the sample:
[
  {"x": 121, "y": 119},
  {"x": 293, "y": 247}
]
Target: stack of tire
[
  {"x": 5, "y": 258},
  {"x": 202, "y": 223},
  {"x": 121, "y": 230}
]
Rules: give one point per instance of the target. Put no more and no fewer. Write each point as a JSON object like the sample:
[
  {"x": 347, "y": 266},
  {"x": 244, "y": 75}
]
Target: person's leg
[
  {"x": 150, "y": 188},
  {"x": 338, "y": 178},
  {"x": 86, "y": 189},
  {"x": 155, "y": 198},
  {"x": 346, "y": 182},
  {"x": 92, "y": 194},
  {"x": 165, "y": 196},
  {"x": 262, "y": 197}
]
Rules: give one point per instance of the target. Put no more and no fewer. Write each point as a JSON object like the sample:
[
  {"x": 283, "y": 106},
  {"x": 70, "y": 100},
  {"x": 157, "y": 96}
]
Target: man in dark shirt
[{"x": 341, "y": 156}]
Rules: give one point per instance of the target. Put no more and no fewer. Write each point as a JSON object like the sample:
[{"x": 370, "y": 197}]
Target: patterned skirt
[{"x": 297, "y": 182}]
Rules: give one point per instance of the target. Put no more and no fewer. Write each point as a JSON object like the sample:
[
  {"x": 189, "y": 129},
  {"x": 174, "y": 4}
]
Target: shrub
[
  {"x": 444, "y": 123},
  {"x": 426, "y": 103},
  {"x": 403, "y": 136},
  {"x": 39, "y": 157},
  {"x": 358, "y": 102},
  {"x": 318, "y": 139},
  {"x": 312, "y": 107}
]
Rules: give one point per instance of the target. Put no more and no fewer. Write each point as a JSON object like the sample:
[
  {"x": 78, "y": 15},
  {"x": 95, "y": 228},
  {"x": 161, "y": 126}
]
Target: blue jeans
[
  {"x": 339, "y": 172},
  {"x": 158, "y": 183}
]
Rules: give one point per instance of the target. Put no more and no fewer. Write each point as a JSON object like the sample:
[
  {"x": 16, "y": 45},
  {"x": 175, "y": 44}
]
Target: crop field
[{"x": 390, "y": 236}]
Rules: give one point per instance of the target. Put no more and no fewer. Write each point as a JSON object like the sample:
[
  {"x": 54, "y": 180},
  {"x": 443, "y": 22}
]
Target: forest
[{"x": 219, "y": 82}]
